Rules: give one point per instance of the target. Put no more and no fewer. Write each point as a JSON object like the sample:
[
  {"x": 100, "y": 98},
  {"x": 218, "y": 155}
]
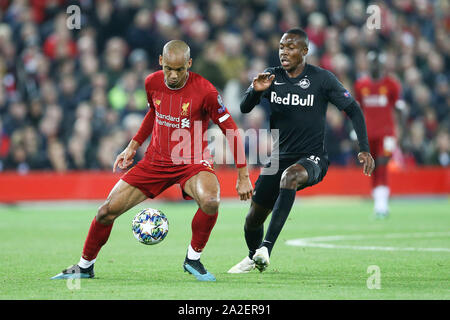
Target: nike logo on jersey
[
  {"x": 279, "y": 83},
  {"x": 292, "y": 100}
]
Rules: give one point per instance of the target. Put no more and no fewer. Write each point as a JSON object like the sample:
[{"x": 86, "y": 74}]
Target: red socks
[
  {"x": 97, "y": 236},
  {"x": 202, "y": 225}
]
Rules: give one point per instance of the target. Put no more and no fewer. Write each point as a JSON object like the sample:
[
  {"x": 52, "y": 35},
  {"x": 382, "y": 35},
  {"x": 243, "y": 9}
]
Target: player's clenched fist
[{"x": 263, "y": 81}]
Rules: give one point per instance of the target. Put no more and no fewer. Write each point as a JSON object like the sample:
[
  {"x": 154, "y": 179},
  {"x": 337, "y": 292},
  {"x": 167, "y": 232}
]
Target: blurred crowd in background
[{"x": 72, "y": 99}]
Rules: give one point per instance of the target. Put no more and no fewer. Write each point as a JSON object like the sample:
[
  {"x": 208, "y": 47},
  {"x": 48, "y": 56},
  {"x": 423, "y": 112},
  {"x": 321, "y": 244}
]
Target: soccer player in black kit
[{"x": 298, "y": 94}]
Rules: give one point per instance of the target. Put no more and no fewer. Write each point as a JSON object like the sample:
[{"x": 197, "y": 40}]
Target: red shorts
[
  {"x": 152, "y": 179},
  {"x": 382, "y": 146}
]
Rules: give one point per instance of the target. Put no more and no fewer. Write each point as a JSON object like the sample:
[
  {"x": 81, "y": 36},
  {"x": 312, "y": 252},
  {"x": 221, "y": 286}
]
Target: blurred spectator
[
  {"x": 441, "y": 98},
  {"x": 142, "y": 34},
  {"x": 207, "y": 65},
  {"x": 316, "y": 29},
  {"x": 416, "y": 144},
  {"x": 265, "y": 24},
  {"x": 50, "y": 123},
  {"x": 114, "y": 59},
  {"x": 126, "y": 96},
  {"x": 70, "y": 99},
  {"x": 217, "y": 15},
  {"x": 80, "y": 138},
  {"x": 108, "y": 148},
  {"x": 441, "y": 153},
  {"x": 57, "y": 156},
  {"x": 4, "y": 146},
  {"x": 233, "y": 92},
  {"x": 338, "y": 142},
  {"x": 233, "y": 60},
  {"x": 16, "y": 117},
  {"x": 139, "y": 63},
  {"x": 59, "y": 44}
]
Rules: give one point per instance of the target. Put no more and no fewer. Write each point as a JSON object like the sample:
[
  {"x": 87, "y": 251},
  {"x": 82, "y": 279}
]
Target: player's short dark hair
[{"x": 300, "y": 32}]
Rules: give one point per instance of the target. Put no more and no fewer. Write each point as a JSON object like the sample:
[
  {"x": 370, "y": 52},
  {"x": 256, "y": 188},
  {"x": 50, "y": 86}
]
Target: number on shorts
[{"x": 314, "y": 159}]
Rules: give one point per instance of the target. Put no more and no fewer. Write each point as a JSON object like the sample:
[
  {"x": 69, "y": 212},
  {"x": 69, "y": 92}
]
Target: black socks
[
  {"x": 253, "y": 237},
  {"x": 281, "y": 211}
]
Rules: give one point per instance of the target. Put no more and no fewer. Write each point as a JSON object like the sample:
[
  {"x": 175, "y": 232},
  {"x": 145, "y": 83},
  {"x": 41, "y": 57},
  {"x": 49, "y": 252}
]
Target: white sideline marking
[{"x": 319, "y": 242}]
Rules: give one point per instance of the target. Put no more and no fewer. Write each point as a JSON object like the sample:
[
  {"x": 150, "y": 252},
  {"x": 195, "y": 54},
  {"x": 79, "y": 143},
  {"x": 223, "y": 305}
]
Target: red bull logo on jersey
[{"x": 292, "y": 99}]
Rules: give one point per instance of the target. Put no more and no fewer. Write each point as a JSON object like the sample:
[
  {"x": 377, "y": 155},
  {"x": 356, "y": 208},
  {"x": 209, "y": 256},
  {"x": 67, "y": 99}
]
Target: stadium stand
[{"x": 72, "y": 99}]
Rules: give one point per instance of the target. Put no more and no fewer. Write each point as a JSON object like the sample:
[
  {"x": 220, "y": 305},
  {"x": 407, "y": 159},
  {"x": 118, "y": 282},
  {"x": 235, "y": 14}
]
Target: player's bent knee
[
  {"x": 105, "y": 215},
  {"x": 210, "y": 205},
  {"x": 293, "y": 177}
]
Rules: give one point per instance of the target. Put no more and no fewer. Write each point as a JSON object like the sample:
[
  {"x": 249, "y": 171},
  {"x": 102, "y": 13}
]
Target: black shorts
[{"x": 267, "y": 187}]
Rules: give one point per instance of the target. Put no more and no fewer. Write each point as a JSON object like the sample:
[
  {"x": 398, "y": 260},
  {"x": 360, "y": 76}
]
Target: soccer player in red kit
[
  {"x": 181, "y": 105},
  {"x": 378, "y": 95}
]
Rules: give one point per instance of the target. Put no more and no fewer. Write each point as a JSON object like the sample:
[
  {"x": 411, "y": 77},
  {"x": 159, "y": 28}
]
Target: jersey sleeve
[
  {"x": 214, "y": 106},
  {"x": 219, "y": 114},
  {"x": 146, "y": 127},
  {"x": 147, "y": 88},
  {"x": 336, "y": 93},
  {"x": 252, "y": 98},
  {"x": 359, "y": 125},
  {"x": 147, "y": 124}
]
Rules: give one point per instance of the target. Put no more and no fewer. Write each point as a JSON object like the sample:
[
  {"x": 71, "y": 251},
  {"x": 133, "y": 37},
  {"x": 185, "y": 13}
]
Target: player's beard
[
  {"x": 177, "y": 84},
  {"x": 172, "y": 85}
]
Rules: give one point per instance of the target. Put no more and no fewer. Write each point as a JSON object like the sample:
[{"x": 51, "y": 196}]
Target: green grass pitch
[{"x": 406, "y": 256}]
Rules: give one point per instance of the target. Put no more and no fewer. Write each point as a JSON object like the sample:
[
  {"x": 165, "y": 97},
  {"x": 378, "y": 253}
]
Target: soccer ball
[{"x": 150, "y": 226}]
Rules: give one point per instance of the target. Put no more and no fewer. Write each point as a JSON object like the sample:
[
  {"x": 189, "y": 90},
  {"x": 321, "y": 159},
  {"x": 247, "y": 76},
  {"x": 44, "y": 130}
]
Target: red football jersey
[
  {"x": 178, "y": 120},
  {"x": 378, "y": 99}
]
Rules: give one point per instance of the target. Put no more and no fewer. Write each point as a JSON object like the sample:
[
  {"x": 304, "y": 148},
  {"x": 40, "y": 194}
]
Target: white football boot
[
  {"x": 244, "y": 266},
  {"x": 261, "y": 258}
]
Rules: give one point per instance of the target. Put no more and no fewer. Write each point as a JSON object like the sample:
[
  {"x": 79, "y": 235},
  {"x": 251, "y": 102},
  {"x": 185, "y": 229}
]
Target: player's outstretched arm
[
  {"x": 125, "y": 158},
  {"x": 359, "y": 125},
  {"x": 342, "y": 99}
]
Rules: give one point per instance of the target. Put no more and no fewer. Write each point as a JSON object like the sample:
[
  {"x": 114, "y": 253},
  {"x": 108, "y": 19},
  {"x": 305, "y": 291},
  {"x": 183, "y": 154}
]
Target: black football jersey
[{"x": 298, "y": 108}]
